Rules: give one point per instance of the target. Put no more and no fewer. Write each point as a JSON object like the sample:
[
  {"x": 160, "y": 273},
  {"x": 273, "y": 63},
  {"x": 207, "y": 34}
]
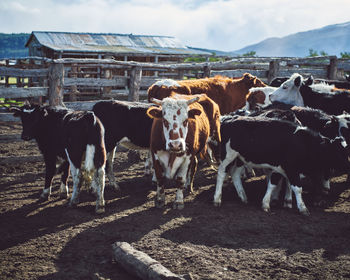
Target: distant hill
[
  {"x": 12, "y": 45},
  {"x": 333, "y": 39}
]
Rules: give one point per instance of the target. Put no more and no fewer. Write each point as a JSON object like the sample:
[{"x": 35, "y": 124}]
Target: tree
[
  {"x": 251, "y": 53},
  {"x": 345, "y": 55}
]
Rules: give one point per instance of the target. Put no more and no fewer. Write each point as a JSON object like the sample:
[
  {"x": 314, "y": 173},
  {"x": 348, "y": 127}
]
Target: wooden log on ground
[{"x": 140, "y": 264}]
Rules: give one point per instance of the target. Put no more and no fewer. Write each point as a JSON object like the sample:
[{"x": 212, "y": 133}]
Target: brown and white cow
[
  {"x": 180, "y": 133},
  {"x": 228, "y": 93}
]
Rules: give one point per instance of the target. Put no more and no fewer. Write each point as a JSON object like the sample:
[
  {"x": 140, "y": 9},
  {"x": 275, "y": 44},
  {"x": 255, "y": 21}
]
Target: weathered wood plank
[
  {"x": 96, "y": 82},
  {"x": 8, "y": 117},
  {"x": 12, "y": 92},
  {"x": 239, "y": 73},
  {"x": 23, "y": 73}
]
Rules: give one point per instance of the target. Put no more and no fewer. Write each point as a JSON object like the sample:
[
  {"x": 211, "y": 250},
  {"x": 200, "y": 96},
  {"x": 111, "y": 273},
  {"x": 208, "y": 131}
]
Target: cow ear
[
  {"x": 309, "y": 81},
  {"x": 297, "y": 81},
  {"x": 16, "y": 111},
  {"x": 154, "y": 113},
  {"x": 193, "y": 112}
]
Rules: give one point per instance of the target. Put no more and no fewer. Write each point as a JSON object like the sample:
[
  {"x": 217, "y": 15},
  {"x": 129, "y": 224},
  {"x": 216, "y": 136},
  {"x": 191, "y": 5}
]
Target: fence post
[
  {"x": 274, "y": 69},
  {"x": 55, "y": 83},
  {"x": 332, "y": 68},
  {"x": 206, "y": 71},
  {"x": 134, "y": 83}
]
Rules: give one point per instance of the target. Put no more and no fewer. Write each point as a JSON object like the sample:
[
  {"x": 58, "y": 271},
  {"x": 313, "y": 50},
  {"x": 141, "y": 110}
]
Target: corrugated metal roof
[{"x": 112, "y": 43}]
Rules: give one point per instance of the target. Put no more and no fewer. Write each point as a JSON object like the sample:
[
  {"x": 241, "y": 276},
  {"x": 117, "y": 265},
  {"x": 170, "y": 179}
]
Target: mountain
[
  {"x": 332, "y": 39},
  {"x": 12, "y": 45}
]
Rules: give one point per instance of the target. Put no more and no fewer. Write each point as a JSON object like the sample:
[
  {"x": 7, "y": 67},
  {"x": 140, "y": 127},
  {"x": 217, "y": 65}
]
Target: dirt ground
[{"x": 48, "y": 240}]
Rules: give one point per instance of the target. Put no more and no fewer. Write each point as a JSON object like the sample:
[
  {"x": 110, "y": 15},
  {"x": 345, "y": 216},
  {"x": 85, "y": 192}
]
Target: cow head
[
  {"x": 30, "y": 115},
  {"x": 344, "y": 129},
  {"x": 252, "y": 81},
  {"x": 289, "y": 92},
  {"x": 336, "y": 154},
  {"x": 175, "y": 114}
]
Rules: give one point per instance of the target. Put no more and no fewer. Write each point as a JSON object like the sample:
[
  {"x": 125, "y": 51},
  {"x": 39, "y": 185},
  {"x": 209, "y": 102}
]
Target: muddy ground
[{"x": 48, "y": 240}]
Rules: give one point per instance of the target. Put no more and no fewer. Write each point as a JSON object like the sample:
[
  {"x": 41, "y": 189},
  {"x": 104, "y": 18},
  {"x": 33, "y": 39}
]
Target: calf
[
  {"x": 126, "y": 123},
  {"x": 228, "y": 93},
  {"x": 66, "y": 134},
  {"x": 180, "y": 132},
  {"x": 288, "y": 150}
]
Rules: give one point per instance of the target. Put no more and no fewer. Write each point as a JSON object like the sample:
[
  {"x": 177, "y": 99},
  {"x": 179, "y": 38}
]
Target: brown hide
[
  {"x": 197, "y": 136},
  {"x": 228, "y": 93},
  {"x": 254, "y": 98}
]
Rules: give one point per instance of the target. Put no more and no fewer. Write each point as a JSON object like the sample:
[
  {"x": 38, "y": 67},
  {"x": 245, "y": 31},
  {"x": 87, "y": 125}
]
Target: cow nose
[{"x": 175, "y": 145}]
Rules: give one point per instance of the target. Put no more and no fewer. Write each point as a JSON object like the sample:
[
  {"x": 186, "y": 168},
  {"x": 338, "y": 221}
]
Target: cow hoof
[
  {"x": 64, "y": 195},
  {"x": 100, "y": 210},
  {"x": 305, "y": 212},
  {"x": 159, "y": 203},
  {"x": 178, "y": 205},
  {"x": 287, "y": 204},
  {"x": 217, "y": 203},
  {"x": 266, "y": 209}
]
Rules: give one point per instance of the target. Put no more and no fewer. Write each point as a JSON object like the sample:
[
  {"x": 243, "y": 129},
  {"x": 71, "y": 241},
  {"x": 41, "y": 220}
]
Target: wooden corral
[{"x": 67, "y": 80}]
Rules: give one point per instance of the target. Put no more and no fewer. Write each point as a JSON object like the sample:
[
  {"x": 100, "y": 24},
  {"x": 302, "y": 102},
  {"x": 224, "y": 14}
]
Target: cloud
[{"x": 215, "y": 24}]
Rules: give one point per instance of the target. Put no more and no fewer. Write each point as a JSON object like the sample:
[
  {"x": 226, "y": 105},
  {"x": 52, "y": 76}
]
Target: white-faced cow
[
  {"x": 180, "y": 133},
  {"x": 287, "y": 149},
  {"x": 319, "y": 96},
  {"x": 66, "y": 134},
  {"x": 228, "y": 93},
  {"x": 126, "y": 123}
]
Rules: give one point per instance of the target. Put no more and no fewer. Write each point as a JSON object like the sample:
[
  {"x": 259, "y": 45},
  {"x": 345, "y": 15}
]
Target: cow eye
[{"x": 185, "y": 122}]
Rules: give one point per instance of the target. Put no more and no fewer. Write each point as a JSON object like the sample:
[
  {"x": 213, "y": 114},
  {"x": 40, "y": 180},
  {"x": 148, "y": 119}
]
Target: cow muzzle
[{"x": 176, "y": 146}]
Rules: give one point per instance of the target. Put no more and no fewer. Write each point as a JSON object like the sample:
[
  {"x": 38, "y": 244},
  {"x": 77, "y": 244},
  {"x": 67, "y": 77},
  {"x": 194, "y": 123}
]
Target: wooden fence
[{"x": 64, "y": 81}]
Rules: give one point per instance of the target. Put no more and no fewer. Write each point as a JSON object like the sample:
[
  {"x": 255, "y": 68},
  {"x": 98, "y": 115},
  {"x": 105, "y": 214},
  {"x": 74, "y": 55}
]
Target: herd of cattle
[{"x": 291, "y": 128}]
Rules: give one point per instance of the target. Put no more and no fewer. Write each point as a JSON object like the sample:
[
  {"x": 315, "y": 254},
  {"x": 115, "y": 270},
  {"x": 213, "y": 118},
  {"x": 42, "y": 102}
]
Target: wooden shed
[{"x": 142, "y": 48}]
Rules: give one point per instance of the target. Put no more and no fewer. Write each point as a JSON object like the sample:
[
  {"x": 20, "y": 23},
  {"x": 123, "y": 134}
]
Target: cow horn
[
  {"x": 192, "y": 100},
  {"x": 156, "y": 101}
]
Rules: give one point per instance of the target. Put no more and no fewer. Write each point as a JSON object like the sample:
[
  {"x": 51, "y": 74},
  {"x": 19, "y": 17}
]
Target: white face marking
[
  {"x": 28, "y": 110},
  {"x": 175, "y": 118},
  {"x": 343, "y": 123},
  {"x": 288, "y": 92},
  {"x": 167, "y": 83}
]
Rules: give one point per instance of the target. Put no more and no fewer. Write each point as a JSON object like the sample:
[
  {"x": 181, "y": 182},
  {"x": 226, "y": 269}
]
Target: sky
[{"x": 225, "y": 25}]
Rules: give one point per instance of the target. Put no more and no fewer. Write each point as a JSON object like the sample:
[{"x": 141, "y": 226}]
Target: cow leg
[
  {"x": 236, "y": 173},
  {"x": 288, "y": 198},
  {"x": 186, "y": 167},
  {"x": 148, "y": 164},
  {"x": 271, "y": 186},
  {"x": 64, "y": 180},
  {"x": 190, "y": 176},
  {"x": 298, "y": 197},
  {"x": 160, "y": 179},
  {"x": 99, "y": 180},
  {"x": 109, "y": 170},
  {"x": 222, "y": 172},
  {"x": 50, "y": 170},
  {"x": 77, "y": 181}
]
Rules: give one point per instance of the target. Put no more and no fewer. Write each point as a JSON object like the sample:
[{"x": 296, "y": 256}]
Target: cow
[
  {"x": 334, "y": 83},
  {"x": 126, "y": 123},
  {"x": 228, "y": 93},
  {"x": 258, "y": 97},
  {"x": 288, "y": 150},
  {"x": 65, "y": 134},
  {"x": 180, "y": 133},
  {"x": 319, "y": 96}
]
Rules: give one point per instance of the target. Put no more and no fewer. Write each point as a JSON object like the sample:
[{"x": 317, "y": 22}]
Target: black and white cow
[
  {"x": 334, "y": 83},
  {"x": 299, "y": 92},
  {"x": 284, "y": 147},
  {"x": 126, "y": 123},
  {"x": 66, "y": 134}
]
